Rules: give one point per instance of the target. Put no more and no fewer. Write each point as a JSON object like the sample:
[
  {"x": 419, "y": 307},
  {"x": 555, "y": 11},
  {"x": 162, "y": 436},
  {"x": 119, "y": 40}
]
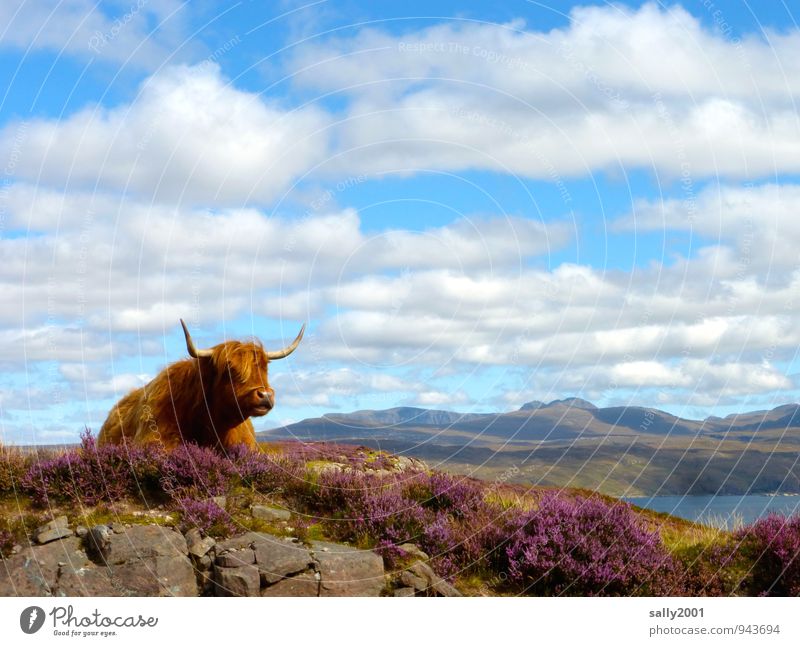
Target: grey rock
[
  {"x": 58, "y": 521},
  {"x": 86, "y": 581},
  {"x": 272, "y": 514},
  {"x": 236, "y": 558},
  {"x": 413, "y": 581},
  {"x": 347, "y": 571},
  {"x": 404, "y": 592},
  {"x": 193, "y": 536},
  {"x": 204, "y": 563},
  {"x": 117, "y": 528},
  {"x": 278, "y": 559},
  {"x": 435, "y": 583},
  {"x": 413, "y": 550},
  {"x": 81, "y": 531},
  {"x": 145, "y": 541},
  {"x": 35, "y": 570},
  {"x": 424, "y": 571},
  {"x": 237, "y": 581},
  {"x": 98, "y": 542},
  {"x": 197, "y": 544},
  {"x": 444, "y": 589},
  {"x": 52, "y": 531},
  {"x": 238, "y": 542},
  {"x": 53, "y": 535},
  {"x": 156, "y": 576},
  {"x": 302, "y": 585}
]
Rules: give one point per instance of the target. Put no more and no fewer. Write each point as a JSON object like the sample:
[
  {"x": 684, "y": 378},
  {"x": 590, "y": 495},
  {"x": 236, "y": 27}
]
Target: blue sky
[{"x": 471, "y": 206}]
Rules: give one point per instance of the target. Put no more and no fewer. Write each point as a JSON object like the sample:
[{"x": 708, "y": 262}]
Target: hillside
[
  {"x": 300, "y": 519},
  {"x": 621, "y": 451}
]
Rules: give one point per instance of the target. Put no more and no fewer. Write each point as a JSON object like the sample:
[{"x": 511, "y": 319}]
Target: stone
[
  {"x": 348, "y": 572},
  {"x": 98, "y": 542},
  {"x": 117, "y": 528},
  {"x": 444, "y": 589},
  {"x": 81, "y": 531},
  {"x": 219, "y": 501},
  {"x": 193, "y": 536},
  {"x": 237, "y": 581},
  {"x": 236, "y": 558},
  {"x": 52, "y": 531},
  {"x": 278, "y": 559},
  {"x": 86, "y": 581},
  {"x": 424, "y": 571},
  {"x": 145, "y": 541},
  {"x": 197, "y": 544},
  {"x": 405, "y": 592},
  {"x": 272, "y": 514},
  {"x": 34, "y": 571},
  {"x": 302, "y": 585},
  {"x": 413, "y": 581},
  {"x": 413, "y": 550},
  {"x": 156, "y": 576},
  {"x": 238, "y": 542},
  {"x": 435, "y": 583}
]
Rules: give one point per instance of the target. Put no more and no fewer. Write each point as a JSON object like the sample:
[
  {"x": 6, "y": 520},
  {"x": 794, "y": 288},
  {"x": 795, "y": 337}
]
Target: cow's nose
[{"x": 267, "y": 398}]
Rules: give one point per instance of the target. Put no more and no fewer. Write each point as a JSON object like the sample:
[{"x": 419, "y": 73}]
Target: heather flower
[
  {"x": 191, "y": 470},
  {"x": 583, "y": 547},
  {"x": 206, "y": 515},
  {"x": 773, "y": 544}
]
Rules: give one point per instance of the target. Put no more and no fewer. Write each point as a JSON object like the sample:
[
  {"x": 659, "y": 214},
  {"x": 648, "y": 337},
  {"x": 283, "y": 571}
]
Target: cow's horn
[
  {"x": 280, "y": 354},
  {"x": 194, "y": 352}
]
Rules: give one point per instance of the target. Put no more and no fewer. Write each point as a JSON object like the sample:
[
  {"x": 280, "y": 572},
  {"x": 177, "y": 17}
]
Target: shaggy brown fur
[{"x": 206, "y": 400}]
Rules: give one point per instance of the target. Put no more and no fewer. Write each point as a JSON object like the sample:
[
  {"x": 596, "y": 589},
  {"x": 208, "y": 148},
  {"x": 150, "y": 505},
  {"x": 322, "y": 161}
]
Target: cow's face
[
  {"x": 241, "y": 378},
  {"x": 239, "y": 383}
]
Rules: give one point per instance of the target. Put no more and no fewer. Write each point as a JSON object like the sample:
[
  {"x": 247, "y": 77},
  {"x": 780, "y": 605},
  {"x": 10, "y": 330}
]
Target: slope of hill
[{"x": 626, "y": 450}]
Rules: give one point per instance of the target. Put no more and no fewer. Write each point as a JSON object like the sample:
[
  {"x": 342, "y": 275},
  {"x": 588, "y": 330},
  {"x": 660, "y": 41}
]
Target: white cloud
[
  {"x": 84, "y": 29},
  {"x": 759, "y": 225},
  {"x": 188, "y": 136},
  {"x": 618, "y": 88},
  {"x": 122, "y": 265},
  {"x": 332, "y": 388}
]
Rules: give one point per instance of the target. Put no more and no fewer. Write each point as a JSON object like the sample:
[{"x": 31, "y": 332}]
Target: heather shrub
[
  {"x": 773, "y": 546},
  {"x": 264, "y": 472},
  {"x": 366, "y": 508},
  {"x": 91, "y": 474},
  {"x": 194, "y": 471},
  {"x": 206, "y": 515},
  {"x": 583, "y": 547},
  {"x": 458, "y": 496}
]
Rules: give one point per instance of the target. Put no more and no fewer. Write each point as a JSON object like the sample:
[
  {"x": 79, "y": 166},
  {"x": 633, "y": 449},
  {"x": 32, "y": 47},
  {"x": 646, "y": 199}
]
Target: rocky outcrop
[
  {"x": 257, "y": 564},
  {"x": 152, "y": 560},
  {"x": 418, "y": 579},
  {"x": 143, "y": 560}
]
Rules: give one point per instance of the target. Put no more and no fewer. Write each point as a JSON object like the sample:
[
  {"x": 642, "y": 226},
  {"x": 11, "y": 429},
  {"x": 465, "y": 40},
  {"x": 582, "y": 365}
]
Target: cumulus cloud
[
  {"x": 126, "y": 266},
  {"x": 188, "y": 136},
  {"x": 757, "y": 225},
  {"x": 84, "y": 29},
  {"x": 618, "y": 88}
]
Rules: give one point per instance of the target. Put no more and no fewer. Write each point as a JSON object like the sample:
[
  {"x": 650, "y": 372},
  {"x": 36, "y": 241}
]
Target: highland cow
[{"x": 207, "y": 399}]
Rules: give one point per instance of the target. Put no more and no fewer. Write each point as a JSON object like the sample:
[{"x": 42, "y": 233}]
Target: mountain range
[{"x": 620, "y": 450}]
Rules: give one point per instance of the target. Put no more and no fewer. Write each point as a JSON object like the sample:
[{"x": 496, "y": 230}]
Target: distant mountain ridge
[
  {"x": 559, "y": 419},
  {"x": 618, "y": 450}
]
